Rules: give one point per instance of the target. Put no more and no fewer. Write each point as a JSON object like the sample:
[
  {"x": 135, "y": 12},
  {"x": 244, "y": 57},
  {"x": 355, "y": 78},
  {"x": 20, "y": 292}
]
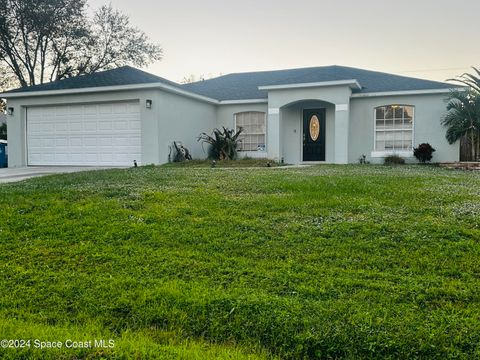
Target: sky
[{"x": 431, "y": 39}]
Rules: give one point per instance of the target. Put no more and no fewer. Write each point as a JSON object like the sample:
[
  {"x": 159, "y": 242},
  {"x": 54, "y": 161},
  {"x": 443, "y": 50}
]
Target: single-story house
[{"x": 331, "y": 114}]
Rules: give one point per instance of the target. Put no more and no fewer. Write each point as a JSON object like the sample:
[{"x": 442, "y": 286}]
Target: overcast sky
[{"x": 433, "y": 39}]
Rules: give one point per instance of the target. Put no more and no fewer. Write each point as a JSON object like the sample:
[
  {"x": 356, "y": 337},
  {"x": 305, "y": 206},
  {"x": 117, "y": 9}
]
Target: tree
[
  {"x": 47, "y": 40},
  {"x": 463, "y": 118},
  {"x": 470, "y": 80},
  {"x": 7, "y": 81},
  {"x": 191, "y": 79}
]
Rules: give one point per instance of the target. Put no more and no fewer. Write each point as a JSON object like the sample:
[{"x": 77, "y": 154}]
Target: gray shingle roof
[
  {"x": 242, "y": 86},
  {"x": 245, "y": 85},
  {"x": 125, "y": 75}
]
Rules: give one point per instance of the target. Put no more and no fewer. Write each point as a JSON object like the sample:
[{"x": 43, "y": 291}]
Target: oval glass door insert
[{"x": 314, "y": 127}]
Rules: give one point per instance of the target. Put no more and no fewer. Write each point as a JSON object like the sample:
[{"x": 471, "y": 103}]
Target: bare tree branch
[{"x": 54, "y": 39}]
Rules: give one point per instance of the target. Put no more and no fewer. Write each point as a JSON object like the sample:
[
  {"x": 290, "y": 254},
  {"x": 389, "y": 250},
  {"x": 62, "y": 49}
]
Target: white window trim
[
  {"x": 252, "y": 152},
  {"x": 383, "y": 153}
]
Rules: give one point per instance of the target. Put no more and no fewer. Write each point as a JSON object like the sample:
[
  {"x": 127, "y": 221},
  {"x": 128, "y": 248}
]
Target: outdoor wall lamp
[
  {"x": 10, "y": 111},
  {"x": 148, "y": 104}
]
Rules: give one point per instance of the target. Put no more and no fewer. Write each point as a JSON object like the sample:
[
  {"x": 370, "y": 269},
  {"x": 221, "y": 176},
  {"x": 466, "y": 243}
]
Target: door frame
[{"x": 302, "y": 114}]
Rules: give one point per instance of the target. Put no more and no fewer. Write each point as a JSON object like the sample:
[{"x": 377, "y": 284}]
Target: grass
[
  {"x": 239, "y": 163},
  {"x": 193, "y": 263}
]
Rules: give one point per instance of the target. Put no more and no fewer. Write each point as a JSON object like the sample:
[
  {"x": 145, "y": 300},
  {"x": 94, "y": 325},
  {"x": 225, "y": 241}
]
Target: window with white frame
[
  {"x": 253, "y": 135},
  {"x": 394, "y": 128}
]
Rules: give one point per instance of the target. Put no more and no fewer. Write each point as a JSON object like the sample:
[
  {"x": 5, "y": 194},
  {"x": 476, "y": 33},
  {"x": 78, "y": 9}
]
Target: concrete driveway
[{"x": 18, "y": 174}]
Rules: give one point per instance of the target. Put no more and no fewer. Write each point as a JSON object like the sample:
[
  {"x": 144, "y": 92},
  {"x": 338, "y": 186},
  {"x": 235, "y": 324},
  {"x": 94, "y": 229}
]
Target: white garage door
[{"x": 92, "y": 134}]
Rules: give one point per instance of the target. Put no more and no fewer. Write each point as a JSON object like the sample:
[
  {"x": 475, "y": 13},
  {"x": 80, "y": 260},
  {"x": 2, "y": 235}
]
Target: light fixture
[
  {"x": 148, "y": 104},
  {"x": 10, "y": 111}
]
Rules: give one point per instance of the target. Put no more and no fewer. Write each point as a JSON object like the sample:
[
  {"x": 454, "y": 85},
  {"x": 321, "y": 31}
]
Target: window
[
  {"x": 394, "y": 128},
  {"x": 254, "y": 130}
]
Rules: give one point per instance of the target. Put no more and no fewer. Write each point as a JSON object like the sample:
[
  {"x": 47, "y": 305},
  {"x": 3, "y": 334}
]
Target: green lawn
[{"x": 196, "y": 263}]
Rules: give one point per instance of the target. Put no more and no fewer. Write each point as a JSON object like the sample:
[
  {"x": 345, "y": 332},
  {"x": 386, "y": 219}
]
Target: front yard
[{"x": 184, "y": 262}]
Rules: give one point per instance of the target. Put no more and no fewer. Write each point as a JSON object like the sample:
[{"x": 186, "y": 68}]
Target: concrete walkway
[{"x": 19, "y": 174}]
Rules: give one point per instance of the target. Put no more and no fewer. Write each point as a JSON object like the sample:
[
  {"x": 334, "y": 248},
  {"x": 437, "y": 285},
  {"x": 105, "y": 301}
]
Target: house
[{"x": 329, "y": 114}]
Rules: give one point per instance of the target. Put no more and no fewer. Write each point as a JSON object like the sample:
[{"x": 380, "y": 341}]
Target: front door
[{"x": 314, "y": 135}]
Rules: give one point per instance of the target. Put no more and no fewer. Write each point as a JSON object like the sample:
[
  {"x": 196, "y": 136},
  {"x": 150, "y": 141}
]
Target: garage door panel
[
  {"x": 92, "y": 134},
  {"x": 105, "y": 109},
  {"x": 90, "y": 125},
  {"x": 61, "y": 141},
  {"x": 134, "y": 125},
  {"x": 61, "y": 127}
]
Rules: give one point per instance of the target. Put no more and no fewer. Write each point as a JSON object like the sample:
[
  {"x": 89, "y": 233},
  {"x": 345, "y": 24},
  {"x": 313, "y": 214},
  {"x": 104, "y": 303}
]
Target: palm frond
[{"x": 223, "y": 143}]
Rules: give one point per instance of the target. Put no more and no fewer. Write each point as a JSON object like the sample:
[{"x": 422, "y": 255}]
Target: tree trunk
[
  {"x": 477, "y": 147},
  {"x": 473, "y": 145}
]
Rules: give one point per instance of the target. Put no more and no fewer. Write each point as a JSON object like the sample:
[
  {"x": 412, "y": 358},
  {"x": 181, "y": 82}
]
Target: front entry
[{"x": 314, "y": 135}]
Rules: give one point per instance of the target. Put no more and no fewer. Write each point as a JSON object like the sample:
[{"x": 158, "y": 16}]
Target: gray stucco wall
[
  {"x": 172, "y": 117},
  {"x": 226, "y": 115},
  {"x": 279, "y": 100},
  {"x": 292, "y": 125},
  {"x": 175, "y": 117},
  {"x": 183, "y": 119},
  {"x": 17, "y": 122},
  {"x": 429, "y": 110}
]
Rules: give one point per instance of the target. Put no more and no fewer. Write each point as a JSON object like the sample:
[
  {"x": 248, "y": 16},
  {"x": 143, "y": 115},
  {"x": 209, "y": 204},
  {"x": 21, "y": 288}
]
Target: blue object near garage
[{"x": 3, "y": 154}]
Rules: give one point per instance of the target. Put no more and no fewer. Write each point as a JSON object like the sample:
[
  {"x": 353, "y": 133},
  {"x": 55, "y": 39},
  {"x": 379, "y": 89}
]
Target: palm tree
[
  {"x": 471, "y": 80},
  {"x": 223, "y": 143},
  {"x": 463, "y": 118}
]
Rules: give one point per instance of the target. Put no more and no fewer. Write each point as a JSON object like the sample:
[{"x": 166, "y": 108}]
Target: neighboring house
[{"x": 330, "y": 114}]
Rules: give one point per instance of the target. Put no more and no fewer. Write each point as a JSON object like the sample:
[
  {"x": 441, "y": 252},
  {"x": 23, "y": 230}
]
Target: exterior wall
[
  {"x": 183, "y": 119},
  {"x": 17, "y": 122},
  {"x": 278, "y": 100},
  {"x": 429, "y": 110},
  {"x": 292, "y": 125},
  {"x": 225, "y": 117},
  {"x": 178, "y": 118},
  {"x": 169, "y": 119}
]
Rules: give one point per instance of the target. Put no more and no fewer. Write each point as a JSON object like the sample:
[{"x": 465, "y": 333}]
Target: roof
[
  {"x": 242, "y": 86},
  {"x": 125, "y": 75}
]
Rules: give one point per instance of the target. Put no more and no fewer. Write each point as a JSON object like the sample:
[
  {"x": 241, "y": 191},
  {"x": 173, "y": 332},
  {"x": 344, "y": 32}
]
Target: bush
[
  {"x": 223, "y": 143},
  {"x": 394, "y": 160},
  {"x": 424, "y": 152},
  {"x": 181, "y": 153}
]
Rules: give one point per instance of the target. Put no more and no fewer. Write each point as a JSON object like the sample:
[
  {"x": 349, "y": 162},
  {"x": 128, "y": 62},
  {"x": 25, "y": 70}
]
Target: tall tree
[
  {"x": 7, "y": 81},
  {"x": 471, "y": 80},
  {"x": 47, "y": 40},
  {"x": 462, "y": 119}
]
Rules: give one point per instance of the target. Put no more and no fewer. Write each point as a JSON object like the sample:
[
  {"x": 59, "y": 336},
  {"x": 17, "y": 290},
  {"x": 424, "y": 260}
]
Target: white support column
[
  {"x": 342, "y": 120},
  {"x": 273, "y": 134}
]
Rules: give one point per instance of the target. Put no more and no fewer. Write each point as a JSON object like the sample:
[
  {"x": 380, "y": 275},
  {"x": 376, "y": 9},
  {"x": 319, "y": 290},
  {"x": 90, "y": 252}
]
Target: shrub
[
  {"x": 223, "y": 143},
  {"x": 394, "y": 160},
  {"x": 181, "y": 153},
  {"x": 424, "y": 152}
]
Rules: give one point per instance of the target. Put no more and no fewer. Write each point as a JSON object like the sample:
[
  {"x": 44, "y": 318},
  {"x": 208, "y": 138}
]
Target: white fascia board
[
  {"x": 247, "y": 101},
  {"x": 354, "y": 84},
  {"x": 406, "y": 92},
  {"x": 162, "y": 86}
]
